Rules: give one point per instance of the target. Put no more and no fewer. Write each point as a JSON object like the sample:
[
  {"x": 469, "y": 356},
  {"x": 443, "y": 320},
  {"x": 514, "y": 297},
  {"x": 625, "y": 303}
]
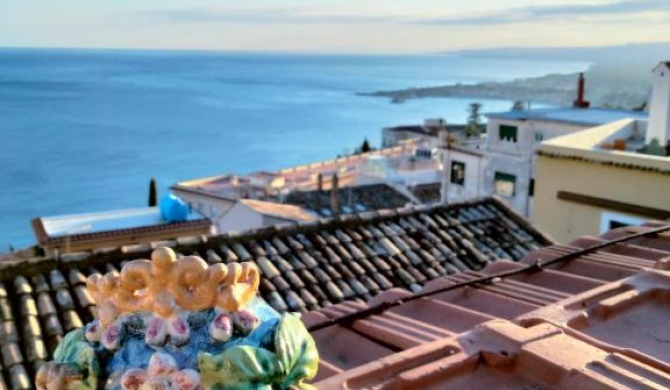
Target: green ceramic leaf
[
  {"x": 77, "y": 351},
  {"x": 296, "y": 351},
  {"x": 240, "y": 367}
]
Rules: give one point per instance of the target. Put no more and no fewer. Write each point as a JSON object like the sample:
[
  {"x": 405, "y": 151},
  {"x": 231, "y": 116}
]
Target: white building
[
  {"x": 393, "y": 136},
  {"x": 462, "y": 169},
  {"x": 426, "y": 133},
  {"x": 249, "y": 214},
  {"x": 212, "y": 197},
  {"x": 514, "y": 136},
  {"x": 505, "y": 165},
  {"x": 659, "y": 107}
]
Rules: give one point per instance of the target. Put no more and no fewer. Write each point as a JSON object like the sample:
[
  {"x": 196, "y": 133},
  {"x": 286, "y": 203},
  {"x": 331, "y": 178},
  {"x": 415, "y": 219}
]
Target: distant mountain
[
  {"x": 650, "y": 53},
  {"x": 619, "y": 77}
]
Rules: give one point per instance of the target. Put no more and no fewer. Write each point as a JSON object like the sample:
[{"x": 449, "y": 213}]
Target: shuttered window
[
  {"x": 505, "y": 184},
  {"x": 457, "y": 173},
  {"x": 508, "y": 133}
]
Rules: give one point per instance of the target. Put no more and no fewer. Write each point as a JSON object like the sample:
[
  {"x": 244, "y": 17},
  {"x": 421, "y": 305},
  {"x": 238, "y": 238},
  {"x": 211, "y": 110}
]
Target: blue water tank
[{"x": 173, "y": 209}]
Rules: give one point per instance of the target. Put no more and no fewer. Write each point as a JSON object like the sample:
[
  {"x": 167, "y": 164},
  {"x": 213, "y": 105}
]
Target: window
[
  {"x": 505, "y": 184},
  {"x": 507, "y": 133},
  {"x": 539, "y": 136},
  {"x": 531, "y": 187},
  {"x": 457, "y": 173},
  {"x": 424, "y": 153},
  {"x": 609, "y": 221}
]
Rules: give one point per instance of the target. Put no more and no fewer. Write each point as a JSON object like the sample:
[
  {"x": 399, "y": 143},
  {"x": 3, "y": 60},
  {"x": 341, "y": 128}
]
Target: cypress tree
[
  {"x": 365, "y": 147},
  {"x": 153, "y": 193}
]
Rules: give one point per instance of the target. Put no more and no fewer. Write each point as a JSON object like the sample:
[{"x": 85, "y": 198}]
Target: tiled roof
[
  {"x": 428, "y": 193},
  {"x": 595, "y": 320},
  {"x": 303, "y": 267},
  {"x": 352, "y": 199}
]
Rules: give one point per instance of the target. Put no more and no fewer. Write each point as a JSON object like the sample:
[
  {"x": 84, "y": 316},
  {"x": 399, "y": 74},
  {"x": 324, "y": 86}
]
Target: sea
[{"x": 85, "y": 130}]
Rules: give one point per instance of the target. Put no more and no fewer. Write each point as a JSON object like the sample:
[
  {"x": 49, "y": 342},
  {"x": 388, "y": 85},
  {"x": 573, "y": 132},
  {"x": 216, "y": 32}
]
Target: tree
[
  {"x": 518, "y": 105},
  {"x": 365, "y": 147},
  {"x": 641, "y": 107},
  {"x": 153, "y": 193},
  {"x": 474, "y": 126}
]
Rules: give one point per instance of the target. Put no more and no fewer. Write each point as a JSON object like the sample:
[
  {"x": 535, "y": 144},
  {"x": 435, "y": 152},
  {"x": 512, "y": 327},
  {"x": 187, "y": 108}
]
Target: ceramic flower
[{"x": 162, "y": 373}]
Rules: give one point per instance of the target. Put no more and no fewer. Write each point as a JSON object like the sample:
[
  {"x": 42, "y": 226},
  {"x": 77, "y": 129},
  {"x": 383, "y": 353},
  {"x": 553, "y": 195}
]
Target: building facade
[
  {"x": 584, "y": 189},
  {"x": 514, "y": 137},
  {"x": 609, "y": 176},
  {"x": 248, "y": 214}
]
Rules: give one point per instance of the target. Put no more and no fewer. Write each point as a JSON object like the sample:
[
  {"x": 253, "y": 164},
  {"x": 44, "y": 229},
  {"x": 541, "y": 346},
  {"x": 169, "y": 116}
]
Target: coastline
[{"x": 608, "y": 86}]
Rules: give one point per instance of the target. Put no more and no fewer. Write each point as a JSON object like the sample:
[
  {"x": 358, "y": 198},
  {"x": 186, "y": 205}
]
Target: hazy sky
[{"x": 376, "y": 26}]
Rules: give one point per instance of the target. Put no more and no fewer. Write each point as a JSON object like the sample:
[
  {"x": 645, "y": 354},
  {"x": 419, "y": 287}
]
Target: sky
[{"x": 331, "y": 26}]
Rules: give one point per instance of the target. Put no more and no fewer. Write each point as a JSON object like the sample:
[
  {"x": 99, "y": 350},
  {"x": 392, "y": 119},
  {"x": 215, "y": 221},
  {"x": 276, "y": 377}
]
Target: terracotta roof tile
[
  {"x": 588, "y": 322},
  {"x": 304, "y": 267}
]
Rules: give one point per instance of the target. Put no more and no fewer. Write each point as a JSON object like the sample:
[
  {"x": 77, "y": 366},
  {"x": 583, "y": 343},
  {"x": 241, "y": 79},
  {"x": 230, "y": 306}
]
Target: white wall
[
  {"x": 209, "y": 207},
  {"x": 422, "y": 176},
  {"x": 527, "y": 135},
  {"x": 497, "y": 145},
  {"x": 391, "y": 138},
  {"x": 659, "y": 108},
  {"x": 511, "y": 165},
  {"x": 518, "y": 158},
  {"x": 472, "y": 185},
  {"x": 239, "y": 218}
]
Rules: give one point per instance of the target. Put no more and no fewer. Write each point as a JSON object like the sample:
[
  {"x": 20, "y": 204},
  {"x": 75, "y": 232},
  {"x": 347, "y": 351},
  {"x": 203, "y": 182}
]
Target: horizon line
[{"x": 325, "y": 53}]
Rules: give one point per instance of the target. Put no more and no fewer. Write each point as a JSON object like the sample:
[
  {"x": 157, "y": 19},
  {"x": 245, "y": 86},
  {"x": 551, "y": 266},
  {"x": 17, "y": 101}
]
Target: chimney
[
  {"x": 335, "y": 195},
  {"x": 580, "y": 102},
  {"x": 319, "y": 191}
]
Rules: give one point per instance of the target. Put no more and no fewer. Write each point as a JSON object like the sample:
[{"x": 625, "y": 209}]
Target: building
[
  {"x": 248, "y": 214},
  {"x": 506, "y": 164},
  {"x": 463, "y": 171},
  {"x": 389, "y": 170},
  {"x": 609, "y": 188},
  {"x": 211, "y": 197},
  {"x": 513, "y": 137},
  {"x": 659, "y": 107},
  {"x": 428, "y": 132},
  {"x": 621, "y": 173},
  {"x": 81, "y": 232}
]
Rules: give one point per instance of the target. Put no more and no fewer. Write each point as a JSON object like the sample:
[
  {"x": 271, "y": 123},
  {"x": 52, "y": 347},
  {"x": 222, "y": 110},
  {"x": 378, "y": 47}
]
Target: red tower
[{"x": 580, "y": 102}]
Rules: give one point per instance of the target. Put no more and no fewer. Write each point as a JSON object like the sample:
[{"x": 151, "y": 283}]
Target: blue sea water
[{"x": 85, "y": 130}]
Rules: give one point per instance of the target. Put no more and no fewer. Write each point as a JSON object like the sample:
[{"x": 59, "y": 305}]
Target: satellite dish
[{"x": 173, "y": 209}]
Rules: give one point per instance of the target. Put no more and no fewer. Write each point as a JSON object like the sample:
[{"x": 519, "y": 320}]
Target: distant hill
[
  {"x": 619, "y": 76},
  {"x": 649, "y": 53}
]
